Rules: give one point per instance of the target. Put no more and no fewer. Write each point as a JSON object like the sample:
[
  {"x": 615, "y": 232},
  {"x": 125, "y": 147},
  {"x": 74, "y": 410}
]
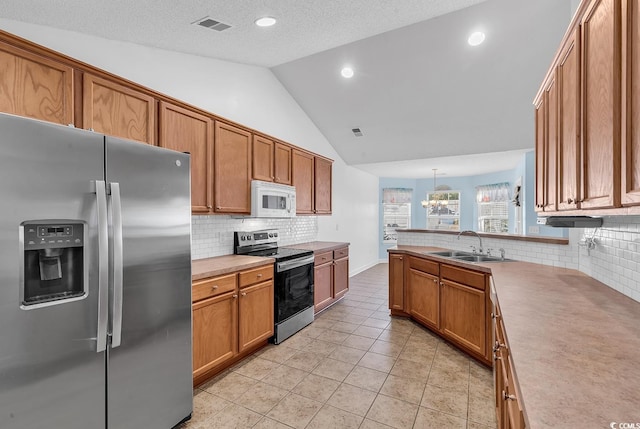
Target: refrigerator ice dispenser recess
[{"x": 53, "y": 267}]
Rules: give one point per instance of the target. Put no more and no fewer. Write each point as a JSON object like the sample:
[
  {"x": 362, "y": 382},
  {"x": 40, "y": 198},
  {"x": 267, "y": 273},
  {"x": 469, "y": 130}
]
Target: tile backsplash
[
  {"x": 614, "y": 260},
  {"x": 213, "y": 235}
]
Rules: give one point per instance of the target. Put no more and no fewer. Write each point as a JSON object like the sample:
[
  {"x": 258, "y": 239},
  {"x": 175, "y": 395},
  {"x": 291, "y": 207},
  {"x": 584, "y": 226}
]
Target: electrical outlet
[{"x": 534, "y": 230}]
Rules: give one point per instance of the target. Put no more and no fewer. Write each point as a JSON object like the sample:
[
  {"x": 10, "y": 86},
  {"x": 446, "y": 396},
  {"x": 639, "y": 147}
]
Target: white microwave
[{"x": 272, "y": 199}]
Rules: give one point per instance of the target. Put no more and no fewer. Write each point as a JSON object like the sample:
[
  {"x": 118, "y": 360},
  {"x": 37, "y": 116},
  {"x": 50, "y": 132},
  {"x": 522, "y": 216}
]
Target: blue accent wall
[{"x": 468, "y": 207}]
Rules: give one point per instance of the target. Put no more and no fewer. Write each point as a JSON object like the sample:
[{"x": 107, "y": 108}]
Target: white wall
[{"x": 249, "y": 95}]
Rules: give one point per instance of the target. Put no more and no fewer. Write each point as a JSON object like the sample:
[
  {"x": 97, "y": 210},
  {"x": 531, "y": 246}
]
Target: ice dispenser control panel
[{"x": 52, "y": 236}]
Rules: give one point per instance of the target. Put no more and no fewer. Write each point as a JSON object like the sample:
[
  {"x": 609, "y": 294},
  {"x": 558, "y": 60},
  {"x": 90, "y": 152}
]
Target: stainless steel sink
[
  {"x": 451, "y": 254},
  {"x": 468, "y": 256},
  {"x": 480, "y": 258}
]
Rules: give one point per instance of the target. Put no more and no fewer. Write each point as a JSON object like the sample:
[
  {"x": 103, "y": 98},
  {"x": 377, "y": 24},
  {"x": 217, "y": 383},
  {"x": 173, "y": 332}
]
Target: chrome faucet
[{"x": 474, "y": 233}]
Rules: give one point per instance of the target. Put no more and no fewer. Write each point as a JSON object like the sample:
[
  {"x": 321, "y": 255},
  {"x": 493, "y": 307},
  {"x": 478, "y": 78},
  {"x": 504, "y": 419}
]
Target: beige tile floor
[{"x": 353, "y": 367}]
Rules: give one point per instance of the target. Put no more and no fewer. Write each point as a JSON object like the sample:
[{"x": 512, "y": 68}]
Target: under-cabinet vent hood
[{"x": 571, "y": 221}]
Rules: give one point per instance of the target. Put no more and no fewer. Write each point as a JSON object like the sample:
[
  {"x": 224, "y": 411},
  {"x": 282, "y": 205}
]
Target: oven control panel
[{"x": 256, "y": 237}]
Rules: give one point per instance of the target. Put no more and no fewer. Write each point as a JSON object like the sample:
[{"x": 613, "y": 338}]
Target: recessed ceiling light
[
  {"x": 347, "y": 72},
  {"x": 476, "y": 38},
  {"x": 265, "y": 21}
]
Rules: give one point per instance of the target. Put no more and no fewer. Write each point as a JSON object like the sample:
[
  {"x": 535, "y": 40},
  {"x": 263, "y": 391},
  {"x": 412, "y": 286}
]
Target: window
[
  {"x": 493, "y": 207},
  {"x": 443, "y": 210},
  {"x": 396, "y": 212}
]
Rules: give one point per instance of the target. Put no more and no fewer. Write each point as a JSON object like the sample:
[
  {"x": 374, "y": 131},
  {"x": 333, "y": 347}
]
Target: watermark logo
[{"x": 625, "y": 425}]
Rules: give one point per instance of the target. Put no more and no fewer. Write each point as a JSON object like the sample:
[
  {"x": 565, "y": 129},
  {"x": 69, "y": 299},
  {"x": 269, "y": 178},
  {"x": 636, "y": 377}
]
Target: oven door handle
[{"x": 289, "y": 265}]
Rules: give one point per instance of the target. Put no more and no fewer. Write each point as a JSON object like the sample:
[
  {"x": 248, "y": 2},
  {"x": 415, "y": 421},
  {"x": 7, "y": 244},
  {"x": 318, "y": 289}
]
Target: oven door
[{"x": 293, "y": 287}]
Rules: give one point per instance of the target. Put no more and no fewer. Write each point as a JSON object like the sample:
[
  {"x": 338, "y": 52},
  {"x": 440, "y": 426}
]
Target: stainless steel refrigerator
[{"x": 95, "y": 280}]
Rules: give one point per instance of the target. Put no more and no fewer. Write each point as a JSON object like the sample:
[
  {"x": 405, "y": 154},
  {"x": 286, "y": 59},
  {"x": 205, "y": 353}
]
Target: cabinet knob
[
  {"x": 441, "y": 284},
  {"x": 570, "y": 201},
  {"x": 505, "y": 396},
  {"x": 259, "y": 275},
  {"x": 243, "y": 294},
  {"x": 435, "y": 280},
  {"x": 214, "y": 287},
  {"x": 493, "y": 316},
  {"x": 400, "y": 258},
  {"x": 498, "y": 346},
  {"x": 235, "y": 295}
]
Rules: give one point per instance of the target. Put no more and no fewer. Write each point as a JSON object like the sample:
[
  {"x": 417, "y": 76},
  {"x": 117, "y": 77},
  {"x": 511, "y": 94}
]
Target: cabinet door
[
  {"x": 322, "y": 286},
  {"x": 322, "y": 186},
  {"x": 302, "y": 179},
  {"x": 187, "y": 131},
  {"x": 35, "y": 87},
  {"x": 262, "y": 159},
  {"x": 541, "y": 126},
  {"x": 463, "y": 315},
  {"x": 601, "y": 105},
  {"x": 551, "y": 145},
  {"x": 631, "y": 131},
  {"x": 117, "y": 110},
  {"x": 282, "y": 167},
  {"x": 255, "y": 315},
  {"x": 340, "y": 277},
  {"x": 232, "y": 169},
  {"x": 568, "y": 75},
  {"x": 396, "y": 282},
  {"x": 215, "y": 332},
  {"x": 424, "y": 297}
]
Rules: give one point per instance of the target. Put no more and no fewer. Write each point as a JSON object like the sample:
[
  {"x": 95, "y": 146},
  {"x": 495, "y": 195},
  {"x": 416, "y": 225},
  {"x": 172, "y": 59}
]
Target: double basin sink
[{"x": 467, "y": 256}]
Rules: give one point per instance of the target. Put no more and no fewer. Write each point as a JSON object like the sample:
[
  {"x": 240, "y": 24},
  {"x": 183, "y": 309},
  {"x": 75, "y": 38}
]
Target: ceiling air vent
[
  {"x": 357, "y": 132},
  {"x": 211, "y": 23}
]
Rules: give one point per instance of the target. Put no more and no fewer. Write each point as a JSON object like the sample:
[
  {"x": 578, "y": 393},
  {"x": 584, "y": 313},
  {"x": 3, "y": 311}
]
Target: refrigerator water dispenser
[{"x": 53, "y": 262}]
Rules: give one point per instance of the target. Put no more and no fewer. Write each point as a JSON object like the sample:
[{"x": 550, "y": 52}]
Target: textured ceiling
[
  {"x": 420, "y": 93},
  {"x": 304, "y": 27}
]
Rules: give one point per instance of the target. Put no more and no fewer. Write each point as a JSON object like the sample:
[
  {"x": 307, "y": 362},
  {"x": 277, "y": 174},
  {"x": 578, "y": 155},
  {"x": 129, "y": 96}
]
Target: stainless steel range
[{"x": 293, "y": 279}]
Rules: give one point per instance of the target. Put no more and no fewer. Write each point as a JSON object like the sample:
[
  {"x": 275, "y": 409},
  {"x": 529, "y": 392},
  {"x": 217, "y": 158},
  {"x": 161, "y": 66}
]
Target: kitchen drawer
[
  {"x": 341, "y": 253},
  {"x": 206, "y": 288},
  {"x": 462, "y": 276},
  {"x": 424, "y": 265},
  {"x": 323, "y": 258},
  {"x": 256, "y": 275}
]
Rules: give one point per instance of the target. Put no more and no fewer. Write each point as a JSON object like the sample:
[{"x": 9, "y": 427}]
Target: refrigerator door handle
[
  {"x": 116, "y": 205},
  {"x": 103, "y": 265}
]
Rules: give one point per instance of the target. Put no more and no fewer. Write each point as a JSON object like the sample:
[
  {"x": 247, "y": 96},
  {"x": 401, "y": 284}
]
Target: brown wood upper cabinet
[
  {"x": 118, "y": 110},
  {"x": 271, "y": 161},
  {"x": 551, "y": 144},
  {"x": 631, "y": 106},
  {"x": 188, "y": 131},
  {"x": 302, "y": 164},
  {"x": 601, "y": 104},
  {"x": 322, "y": 198},
  {"x": 597, "y": 93},
  {"x": 568, "y": 75},
  {"x": 35, "y": 87},
  {"x": 232, "y": 169}
]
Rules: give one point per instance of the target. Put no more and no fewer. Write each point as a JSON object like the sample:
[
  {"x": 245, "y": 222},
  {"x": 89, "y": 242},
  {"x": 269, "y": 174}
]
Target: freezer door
[
  {"x": 51, "y": 375},
  {"x": 149, "y": 369}
]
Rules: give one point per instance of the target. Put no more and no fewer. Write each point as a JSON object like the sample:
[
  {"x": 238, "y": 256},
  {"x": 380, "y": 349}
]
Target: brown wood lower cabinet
[
  {"x": 330, "y": 277},
  {"x": 509, "y": 413},
  {"x": 232, "y": 316},
  {"x": 451, "y": 301}
]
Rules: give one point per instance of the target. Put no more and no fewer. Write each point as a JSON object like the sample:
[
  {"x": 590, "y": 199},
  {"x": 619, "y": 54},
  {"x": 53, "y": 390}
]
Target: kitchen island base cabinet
[
  {"x": 449, "y": 300},
  {"x": 233, "y": 315}
]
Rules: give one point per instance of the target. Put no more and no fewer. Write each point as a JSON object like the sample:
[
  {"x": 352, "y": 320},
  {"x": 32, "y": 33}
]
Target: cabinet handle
[
  {"x": 214, "y": 287},
  {"x": 498, "y": 346},
  {"x": 508, "y": 397},
  {"x": 235, "y": 295},
  {"x": 243, "y": 294},
  {"x": 570, "y": 201},
  {"x": 259, "y": 275},
  {"x": 441, "y": 283},
  {"x": 400, "y": 258},
  {"x": 493, "y": 316}
]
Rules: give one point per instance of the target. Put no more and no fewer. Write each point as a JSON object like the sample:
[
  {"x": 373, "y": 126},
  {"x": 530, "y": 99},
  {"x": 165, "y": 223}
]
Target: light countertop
[{"x": 575, "y": 343}]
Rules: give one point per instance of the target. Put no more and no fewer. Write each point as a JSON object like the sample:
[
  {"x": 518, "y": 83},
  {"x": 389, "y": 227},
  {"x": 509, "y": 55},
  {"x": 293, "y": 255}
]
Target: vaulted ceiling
[{"x": 420, "y": 94}]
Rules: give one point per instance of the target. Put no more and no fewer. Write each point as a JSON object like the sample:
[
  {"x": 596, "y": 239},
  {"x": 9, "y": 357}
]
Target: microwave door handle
[{"x": 288, "y": 203}]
